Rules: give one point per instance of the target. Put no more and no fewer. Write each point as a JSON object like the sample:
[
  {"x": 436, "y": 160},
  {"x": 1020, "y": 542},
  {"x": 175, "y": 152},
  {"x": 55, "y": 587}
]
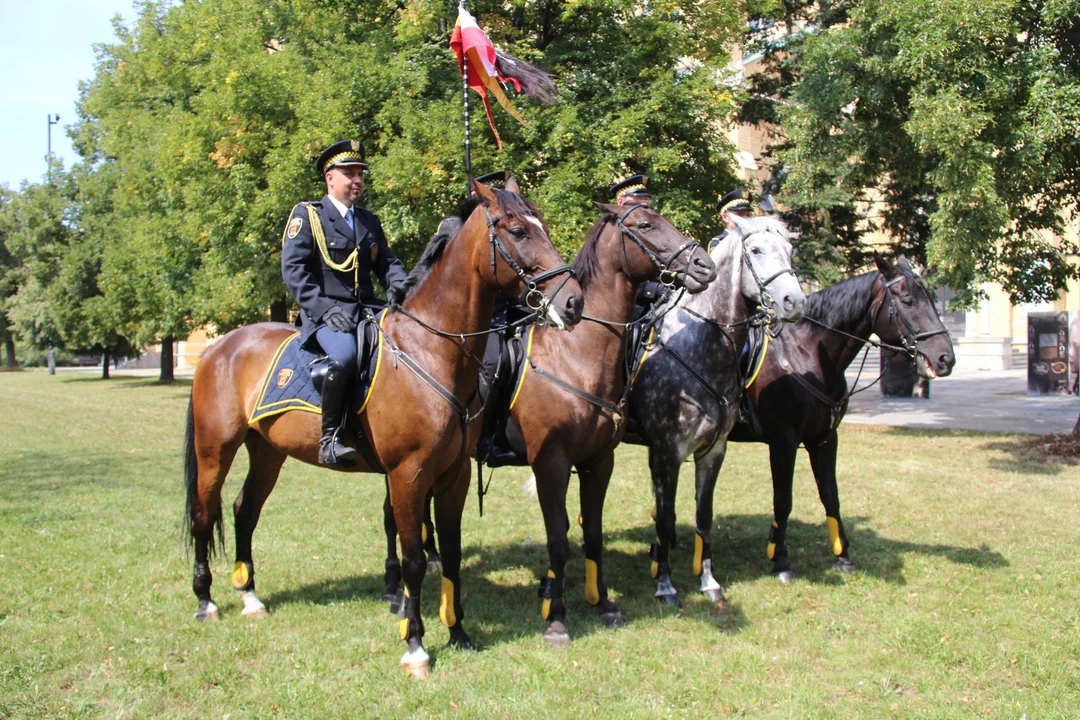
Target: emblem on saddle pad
[
  {"x": 284, "y": 377},
  {"x": 294, "y": 227}
]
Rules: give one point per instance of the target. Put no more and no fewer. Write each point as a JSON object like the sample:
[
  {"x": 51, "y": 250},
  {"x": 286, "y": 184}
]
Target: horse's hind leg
[
  {"x": 434, "y": 560},
  {"x": 706, "y": 470},
  {"x": 594, "y": 477},
  {"x": 782, "y": 465},
  {"x": 823, "y": 463},
  {"x": 664, "y": 465},
  {"x": 210, "y": 448},
  {"x": 392, "y": 571},
  {"x": 451, "y": 493},
  {"x": 408, "y": 490},
  {"x": 265, "y": 465}
]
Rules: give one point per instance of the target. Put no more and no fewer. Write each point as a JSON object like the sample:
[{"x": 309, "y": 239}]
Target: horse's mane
[
  {"x": 587, "y": 262},
  {"x": 512, "y": 204},
  {"x": 838, "y": 304}
]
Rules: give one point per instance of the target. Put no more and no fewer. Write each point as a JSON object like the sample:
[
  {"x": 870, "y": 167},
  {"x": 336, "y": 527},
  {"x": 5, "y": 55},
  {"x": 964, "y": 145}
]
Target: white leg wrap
[
  {"x": 418, "y": 656},
  {"x": 252, "y": 604},
  {"x": 707, "y": 581}
]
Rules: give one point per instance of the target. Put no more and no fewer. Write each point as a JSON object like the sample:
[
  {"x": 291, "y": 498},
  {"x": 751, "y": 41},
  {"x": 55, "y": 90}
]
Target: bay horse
[
  {"x": 801, "y": 392},
  {"x": 569, "y": 404},
  {"x": 417, "y": 418},
  {"x": 685, "y": 399}
]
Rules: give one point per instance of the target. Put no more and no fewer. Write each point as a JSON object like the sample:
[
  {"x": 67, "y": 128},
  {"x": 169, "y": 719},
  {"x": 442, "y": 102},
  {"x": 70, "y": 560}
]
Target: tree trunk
[
  {"x": 279, "y": 311},
  {"x": 9, "y": 350},
  {"x": 105, "y": 365},
  {"x": 166, "y": 360},
  {"x": 1076, "y": 427}
]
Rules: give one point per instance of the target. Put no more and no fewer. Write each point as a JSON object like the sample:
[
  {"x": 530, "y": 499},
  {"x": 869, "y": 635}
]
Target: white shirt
[{"x": 342, "y": 208}]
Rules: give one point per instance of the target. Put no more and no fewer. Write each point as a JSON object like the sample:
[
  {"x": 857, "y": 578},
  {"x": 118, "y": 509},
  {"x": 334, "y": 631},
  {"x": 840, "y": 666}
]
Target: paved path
[{"x": 983, "y": 400}]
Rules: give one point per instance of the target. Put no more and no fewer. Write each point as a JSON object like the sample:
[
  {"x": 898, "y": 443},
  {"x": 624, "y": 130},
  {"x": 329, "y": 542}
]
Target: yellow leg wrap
[
  {"x": 545, "y": 609},
  {"x": 770, "y": 551},
  {"x": 580, "y": 520},
  {"x": 423, "y": 532},
  {"x": 240, "y": 576},
  {"x": 446, "y": 603},
  {"x": 592, "y": 589},
  {"x": 699, "y": 552},
  {"x": 653, "y": 513},
  {"x": 403, "y": 628},
  {"x": 834, "y": 536}
]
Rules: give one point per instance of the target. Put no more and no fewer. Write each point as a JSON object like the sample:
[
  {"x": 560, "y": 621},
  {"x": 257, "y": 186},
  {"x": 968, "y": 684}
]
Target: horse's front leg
[
  {"x": 593, "y": 478},
  {"x": 408, "y": 489},
  {"x": 552, "y": 471},
  {"x": 782, "y": 465},
  {"x": 451, "y": 492},
  {"x": 392, "y": 571},
  {"x": 823, "y": 463},
  {"x": 664, "y": 465},
  {"x": 706, "y": 471}
]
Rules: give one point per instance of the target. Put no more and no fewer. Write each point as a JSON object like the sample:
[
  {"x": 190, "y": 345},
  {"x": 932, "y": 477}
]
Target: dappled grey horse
[{"x": 685, "y": 398}]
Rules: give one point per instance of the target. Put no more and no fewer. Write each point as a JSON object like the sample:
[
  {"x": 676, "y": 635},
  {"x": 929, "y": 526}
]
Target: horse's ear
[
  {"x": 608, "y": 209},
  {"x": 740, "y": 222},
  {"x": 485, "y": 193},
  {"x": 885, "y": 267},
  {"x": 512, "y": 186}
]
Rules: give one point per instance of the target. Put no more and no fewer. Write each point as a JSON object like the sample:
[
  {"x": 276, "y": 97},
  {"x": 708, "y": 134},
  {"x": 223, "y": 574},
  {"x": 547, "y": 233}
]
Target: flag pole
[{"x": 465, "y": 98}]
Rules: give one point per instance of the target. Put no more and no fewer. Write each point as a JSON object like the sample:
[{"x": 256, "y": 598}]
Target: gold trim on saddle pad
[{"x": 524, "y": 367}]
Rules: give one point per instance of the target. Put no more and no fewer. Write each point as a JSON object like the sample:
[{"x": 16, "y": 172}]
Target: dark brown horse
[
  {"x": 416, "y": 425},
  {"x": 801, "y": 393},
  {"x": 569, "y": 405}
]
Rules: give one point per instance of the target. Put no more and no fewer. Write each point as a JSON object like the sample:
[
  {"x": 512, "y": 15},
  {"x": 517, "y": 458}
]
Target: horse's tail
[{"x": 191, "y": 487}]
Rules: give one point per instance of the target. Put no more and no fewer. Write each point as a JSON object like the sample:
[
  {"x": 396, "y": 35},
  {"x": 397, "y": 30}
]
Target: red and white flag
[{"x": 468, "y": 40}]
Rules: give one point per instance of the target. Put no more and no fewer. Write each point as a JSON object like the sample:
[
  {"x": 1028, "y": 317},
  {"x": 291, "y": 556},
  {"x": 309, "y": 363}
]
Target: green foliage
[
  {"x": 959, "y": 121},
  {"x": 203, "y": 120}
]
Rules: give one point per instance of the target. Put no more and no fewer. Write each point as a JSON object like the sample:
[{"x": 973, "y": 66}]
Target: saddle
[
  {"x": 500, "y": 442},
  {"x": 294, "y": 382}
]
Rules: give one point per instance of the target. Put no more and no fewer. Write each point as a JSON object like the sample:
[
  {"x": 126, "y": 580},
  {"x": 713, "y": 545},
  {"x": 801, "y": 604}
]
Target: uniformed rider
[
  {"x": 737, "y": 202},
  {"x": 330, "y": 248}
]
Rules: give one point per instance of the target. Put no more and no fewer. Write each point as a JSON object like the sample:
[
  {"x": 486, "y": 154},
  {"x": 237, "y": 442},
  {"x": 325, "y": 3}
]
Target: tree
[
  {"x": 10, "y": 274},
  {"x": 959, "y": 123}
]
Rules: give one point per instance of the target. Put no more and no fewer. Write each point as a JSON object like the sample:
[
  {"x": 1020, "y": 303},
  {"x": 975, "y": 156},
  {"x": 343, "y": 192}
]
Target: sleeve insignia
[
  {"x": 294, "y": 227},
  {"x": 374, "y": 251}
]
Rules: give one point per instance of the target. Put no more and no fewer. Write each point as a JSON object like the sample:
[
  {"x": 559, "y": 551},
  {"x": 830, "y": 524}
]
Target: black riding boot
[{"x": 332, "y": 451}]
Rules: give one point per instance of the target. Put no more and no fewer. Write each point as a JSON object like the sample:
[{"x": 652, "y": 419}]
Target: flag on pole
[{"x": 468, "y": 40}]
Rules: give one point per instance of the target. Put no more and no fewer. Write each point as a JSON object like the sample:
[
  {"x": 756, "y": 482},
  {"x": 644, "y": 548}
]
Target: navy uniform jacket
[
  {"x": 717, "y": 240},
  {"x": 316, "y": 286}
]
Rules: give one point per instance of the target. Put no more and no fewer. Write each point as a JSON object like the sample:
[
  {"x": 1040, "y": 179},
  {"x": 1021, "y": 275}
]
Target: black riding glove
[{"x": 336, "y": 319}]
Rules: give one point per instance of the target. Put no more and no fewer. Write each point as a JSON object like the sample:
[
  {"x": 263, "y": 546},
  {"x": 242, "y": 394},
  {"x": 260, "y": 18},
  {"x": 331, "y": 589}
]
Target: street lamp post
[{"x": 52, "y": 120}]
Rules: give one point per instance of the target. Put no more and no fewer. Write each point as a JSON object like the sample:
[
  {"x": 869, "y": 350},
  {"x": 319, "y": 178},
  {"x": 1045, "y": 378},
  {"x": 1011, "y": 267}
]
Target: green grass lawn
[{"x": 965, "y": 603}]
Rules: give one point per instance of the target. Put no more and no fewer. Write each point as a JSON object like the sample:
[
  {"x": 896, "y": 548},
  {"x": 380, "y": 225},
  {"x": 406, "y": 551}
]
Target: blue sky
[{"x": 46, "y": 48}]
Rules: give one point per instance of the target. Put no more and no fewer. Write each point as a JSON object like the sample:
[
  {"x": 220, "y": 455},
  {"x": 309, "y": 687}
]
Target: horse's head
[
  {"x": 523, "y": 260},
  {"x": 905, "y": 315},
  {"x": 658, "y": 250},
  {"x": 766, "y": 252}
]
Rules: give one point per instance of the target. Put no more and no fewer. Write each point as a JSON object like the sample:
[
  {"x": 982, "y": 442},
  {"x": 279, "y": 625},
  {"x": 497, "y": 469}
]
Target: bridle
[
  {"x": 767, "y": 305},
  {"x": 667, "y": 275},
  {"x": 910, "y": 341},
  {"x": 531, "y": 296}
]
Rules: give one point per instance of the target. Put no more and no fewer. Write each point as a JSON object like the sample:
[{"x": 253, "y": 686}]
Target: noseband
[
  {"x": 897, "y": 317},
  {"x": 531, "y": 296},
  {"x": 667, "y": 275}
]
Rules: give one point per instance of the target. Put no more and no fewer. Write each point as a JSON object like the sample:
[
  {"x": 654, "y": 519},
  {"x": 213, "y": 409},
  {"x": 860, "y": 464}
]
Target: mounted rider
[
  {"x": 737, "y": 202},
  {"x": 329, "y": 249}
]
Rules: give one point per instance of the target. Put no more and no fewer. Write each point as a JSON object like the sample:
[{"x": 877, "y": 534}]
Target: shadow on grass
[
  {"x": 1039, "y": 455},
  {"x": 739, "y": 541},
  {"x": 130, "y": 383},
  {"x": 500, "y": 610}
]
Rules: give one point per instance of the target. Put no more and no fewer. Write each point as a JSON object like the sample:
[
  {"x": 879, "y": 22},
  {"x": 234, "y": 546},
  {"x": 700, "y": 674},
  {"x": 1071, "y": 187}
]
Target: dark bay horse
[
  {"x": 417, "y": 425},
  {"x": 569, "y": 404},
  {"x": 685, "y": 399},
  {"x": 801, "y": 393}
]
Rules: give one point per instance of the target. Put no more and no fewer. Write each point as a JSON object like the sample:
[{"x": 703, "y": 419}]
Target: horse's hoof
[
  {"x": 557, "y": 636},
  {"x": 257, "y": 614},
  {"x": 669, "y": 598},
  {"x": 786, "y": 577},
  {"x": 207, "y": 612},
  {"x": 716, "y": 595},
  {"x": 434, "y": 566},
  {"x": 613, "y": 619},
  {"x": 419, "y": 670},
  {"x": 462, "y": 645},
  {"x": 845, "y": 566}
]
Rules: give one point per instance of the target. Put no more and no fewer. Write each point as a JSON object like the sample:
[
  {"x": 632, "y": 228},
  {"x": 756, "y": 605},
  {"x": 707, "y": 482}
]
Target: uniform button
[{"x": 331, "y": 244}]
